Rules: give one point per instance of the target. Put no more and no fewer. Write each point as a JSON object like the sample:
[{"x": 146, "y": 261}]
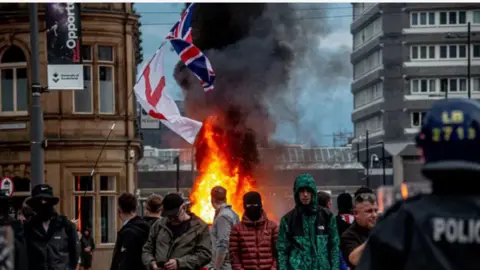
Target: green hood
[{"x": 305, "y": 181}]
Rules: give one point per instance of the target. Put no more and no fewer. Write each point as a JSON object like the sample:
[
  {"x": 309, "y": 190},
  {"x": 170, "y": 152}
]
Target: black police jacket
[
  {"x": 426, "y": 232},
  {"x": 127, "y": 254},
  {"x": 55, "y": 249}
]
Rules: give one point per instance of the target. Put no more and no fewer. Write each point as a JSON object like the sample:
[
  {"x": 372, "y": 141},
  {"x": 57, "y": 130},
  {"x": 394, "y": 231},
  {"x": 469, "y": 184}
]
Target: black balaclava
[
  {"x": 44, "y": 211},
  {"x": 254, "y": 201}
]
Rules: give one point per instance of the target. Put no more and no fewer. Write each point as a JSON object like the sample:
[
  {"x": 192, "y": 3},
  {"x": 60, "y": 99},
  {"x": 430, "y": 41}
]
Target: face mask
[
  {"x": 253, "y": 212},
  {"x": 44, "y": 211}
]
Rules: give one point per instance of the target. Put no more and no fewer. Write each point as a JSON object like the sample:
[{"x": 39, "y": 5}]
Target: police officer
[{"x": 440, "y": 230}]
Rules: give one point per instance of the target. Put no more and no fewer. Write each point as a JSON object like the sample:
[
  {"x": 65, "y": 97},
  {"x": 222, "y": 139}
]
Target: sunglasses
[{"x": 365, "y": 197}]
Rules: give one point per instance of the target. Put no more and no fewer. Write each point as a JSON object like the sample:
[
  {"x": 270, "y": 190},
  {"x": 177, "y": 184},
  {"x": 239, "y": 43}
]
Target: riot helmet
[{"x": 449, "y": 139}]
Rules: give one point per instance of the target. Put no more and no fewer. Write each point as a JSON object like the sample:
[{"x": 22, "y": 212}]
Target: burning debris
[{"x": 226, "y": 155}]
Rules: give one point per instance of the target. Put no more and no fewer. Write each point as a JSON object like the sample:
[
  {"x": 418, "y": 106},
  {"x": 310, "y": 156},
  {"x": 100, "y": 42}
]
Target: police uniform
[{"x": 440, "y": 230}]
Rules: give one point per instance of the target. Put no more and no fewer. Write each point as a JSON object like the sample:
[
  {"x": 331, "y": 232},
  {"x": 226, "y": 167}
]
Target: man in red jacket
[{"x": 253, "y": 240}]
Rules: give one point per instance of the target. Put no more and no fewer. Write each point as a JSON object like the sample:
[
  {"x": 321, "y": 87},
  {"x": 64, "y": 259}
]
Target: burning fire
[{"x": 216, "y": 169}]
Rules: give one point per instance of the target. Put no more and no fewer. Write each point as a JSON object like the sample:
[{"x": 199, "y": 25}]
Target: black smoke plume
[{"x": 261, "y": 54}]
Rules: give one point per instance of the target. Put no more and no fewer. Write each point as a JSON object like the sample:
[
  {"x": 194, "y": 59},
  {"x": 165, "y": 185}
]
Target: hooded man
[
  {"x": 308, "y": 237},
  {"x": 253, "y": 240},
  {"x": 51, "y": 238}
]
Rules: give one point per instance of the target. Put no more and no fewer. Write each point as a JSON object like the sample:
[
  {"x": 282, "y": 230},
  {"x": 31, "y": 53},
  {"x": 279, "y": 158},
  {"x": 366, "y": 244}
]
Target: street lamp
[
  {"x": 367, "y": 154},
  {"x": 383, "y": 162},
  {"x": 177, "y": 162}
]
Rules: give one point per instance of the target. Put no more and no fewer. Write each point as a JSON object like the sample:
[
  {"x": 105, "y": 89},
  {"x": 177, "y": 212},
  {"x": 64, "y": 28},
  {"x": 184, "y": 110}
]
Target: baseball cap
[{"x": 171, "y": 204}]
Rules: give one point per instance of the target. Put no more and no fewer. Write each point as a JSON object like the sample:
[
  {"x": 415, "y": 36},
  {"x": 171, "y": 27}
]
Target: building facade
[
  {"x": 405, "y": 57},
  {"x": 76, "y": 122}
]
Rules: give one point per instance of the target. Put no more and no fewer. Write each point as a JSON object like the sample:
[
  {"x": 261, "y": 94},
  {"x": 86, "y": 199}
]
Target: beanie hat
[
  {"x": 344, "y": 203},
  {"x": 252, "y": 197}
]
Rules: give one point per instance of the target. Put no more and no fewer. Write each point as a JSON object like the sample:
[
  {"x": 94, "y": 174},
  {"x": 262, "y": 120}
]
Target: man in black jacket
[
  {"x": 51, "y": 238},
  {"x": 127, "y": 254},
  {"x": 20, "y": 249}
]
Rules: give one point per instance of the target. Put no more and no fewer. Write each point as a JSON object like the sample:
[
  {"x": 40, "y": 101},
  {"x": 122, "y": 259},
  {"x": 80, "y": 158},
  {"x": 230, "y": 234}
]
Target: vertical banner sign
[{"x": 64, "y": 40}]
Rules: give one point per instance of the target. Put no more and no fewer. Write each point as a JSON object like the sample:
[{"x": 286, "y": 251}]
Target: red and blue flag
[
  {"x": 181, "y": 39},
  {"x": 196, "y": 61},
  {"x": 183, "y": 28}
]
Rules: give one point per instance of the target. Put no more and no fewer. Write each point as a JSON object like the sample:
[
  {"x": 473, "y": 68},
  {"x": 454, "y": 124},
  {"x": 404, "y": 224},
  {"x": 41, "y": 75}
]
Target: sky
[{"x": 330, "y": 110}]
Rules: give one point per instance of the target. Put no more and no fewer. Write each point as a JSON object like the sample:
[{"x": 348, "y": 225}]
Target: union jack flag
[
  {"x": 196, "y": 61},
  {"x": 183, "y": 28}
]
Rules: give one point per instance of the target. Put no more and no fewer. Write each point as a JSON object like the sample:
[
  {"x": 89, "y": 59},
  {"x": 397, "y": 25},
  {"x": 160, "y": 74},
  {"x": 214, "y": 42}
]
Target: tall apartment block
[{"x": 405, "y": 57}]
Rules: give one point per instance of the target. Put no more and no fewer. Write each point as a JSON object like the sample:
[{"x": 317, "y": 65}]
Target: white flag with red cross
[{"x": 151, "y": 94}]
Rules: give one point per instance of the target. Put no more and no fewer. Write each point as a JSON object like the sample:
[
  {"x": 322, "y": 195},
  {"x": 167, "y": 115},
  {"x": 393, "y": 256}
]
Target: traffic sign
[{"x": 7, "y": 184}]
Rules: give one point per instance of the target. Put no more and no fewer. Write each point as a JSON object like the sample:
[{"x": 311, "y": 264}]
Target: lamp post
[
  {"x": 367, "y": 154},
  {"x": 177, "y": 183}
]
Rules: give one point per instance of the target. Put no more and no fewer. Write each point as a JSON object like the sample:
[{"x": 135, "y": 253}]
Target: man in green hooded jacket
[{"x": 308, "y": 237}]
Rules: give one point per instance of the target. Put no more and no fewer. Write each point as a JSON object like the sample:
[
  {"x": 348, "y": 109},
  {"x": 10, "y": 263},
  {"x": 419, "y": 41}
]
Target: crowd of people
[
  {"x": 170, "y": 237},
  {"x": 440, "y": 230}
]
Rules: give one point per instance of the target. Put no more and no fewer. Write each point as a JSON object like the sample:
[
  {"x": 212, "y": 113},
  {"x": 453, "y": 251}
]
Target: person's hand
[
  {"x": 171, "y": 265},
  {"x": 87, "y": 249},
  {"x": 154, "y": 266}
]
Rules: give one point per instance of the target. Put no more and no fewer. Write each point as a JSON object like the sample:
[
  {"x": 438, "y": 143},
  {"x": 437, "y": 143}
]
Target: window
[
  {"x": 443, "y": 52},
  {"x": 99, "y": 67},
  {"x": 432, "y": 86},
  {"x": 367, "y": 33},
  {"x": 422, "y": 18},
  {"x": 453, "y": 85},
  {"x": 107, "y": 95},
  {"x": 414, "y": 18},
  {"x": 443, "y": 17},
  {"x": 476, "y": 50},
  {"x": 462, "y": 51},
  {"x": 453, "y": 51},
  {"x": 453, "y": 17},
  {"x": 83, "y": 100},
  {"x": 372, "y": 124},
  {"x": 368, "y": 64},
  {"x": 431, "y": 18},
  {"x": 14, "y": 82},
  {"x": 476, "y": 17},
  {"x": 422, "y": 52},
  {"x": 417, "y": 119},
  {"x": 90, "y": 193},
  {"x": 360, "y": 8},
  {"x": 476, "y": 84},
  {"x": 368, "y": 95},
  {"x": 423, "y": 86}
]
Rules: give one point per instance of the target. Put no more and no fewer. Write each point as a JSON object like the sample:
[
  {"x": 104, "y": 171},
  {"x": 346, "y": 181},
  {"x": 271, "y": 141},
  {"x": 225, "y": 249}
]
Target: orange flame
[{"x": 215, "y": 171}]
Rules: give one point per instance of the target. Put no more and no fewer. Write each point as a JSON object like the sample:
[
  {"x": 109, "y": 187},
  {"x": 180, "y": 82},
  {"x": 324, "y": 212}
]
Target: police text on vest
[{"x": 456, "y": 231}]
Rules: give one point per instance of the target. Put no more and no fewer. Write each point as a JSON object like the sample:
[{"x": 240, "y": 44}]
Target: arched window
[{"x": 14, "y": 82}]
